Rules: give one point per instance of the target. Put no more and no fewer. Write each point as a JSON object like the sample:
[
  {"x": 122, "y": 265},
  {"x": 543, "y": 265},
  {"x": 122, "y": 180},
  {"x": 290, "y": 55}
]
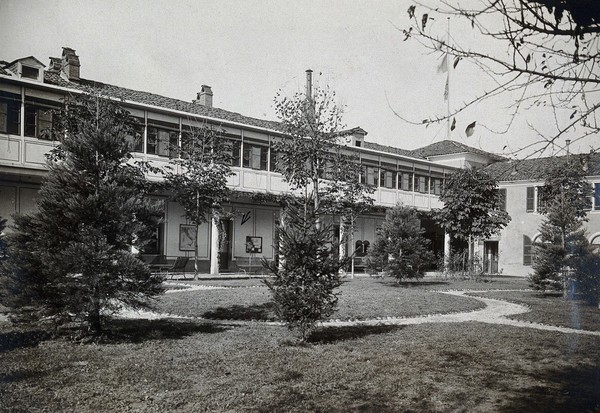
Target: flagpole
[{"x": 448, "y": 81}]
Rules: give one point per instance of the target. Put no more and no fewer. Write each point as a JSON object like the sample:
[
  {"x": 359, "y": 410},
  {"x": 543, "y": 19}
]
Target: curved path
[{"x": 494, "y": 312}]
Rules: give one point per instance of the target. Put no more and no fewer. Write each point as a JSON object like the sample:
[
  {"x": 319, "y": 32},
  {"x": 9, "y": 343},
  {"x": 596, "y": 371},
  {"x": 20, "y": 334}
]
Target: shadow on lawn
[
  {"x": 568, "y": 390},
  {"x": 137, "y": 331},
  {"x": 12, "y": 340},
  {"x": 258, "y": 312},
  {"x": 331, "y": 335},
  {"x": 405, "y": 284}
]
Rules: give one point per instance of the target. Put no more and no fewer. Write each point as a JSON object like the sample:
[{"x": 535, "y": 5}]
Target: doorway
[
  {"x": 225, "y": 244},
  {"x": 490, "y": 257}
]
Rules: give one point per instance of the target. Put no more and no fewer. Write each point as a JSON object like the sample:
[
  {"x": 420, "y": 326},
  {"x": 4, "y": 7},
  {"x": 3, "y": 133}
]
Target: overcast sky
[{"x": 249, "y": 50}]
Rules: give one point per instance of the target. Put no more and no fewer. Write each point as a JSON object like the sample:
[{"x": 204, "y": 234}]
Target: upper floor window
[
  {"x": 255, "y": 156},
  {"x": 370, "y": 175},
  {"x": 234, "y": 148},
  {"x": 10, "y": 113},
  {"x": 162, "y": 140},
  {"x": 405, "y": 181},
  {"x": 39, "y": 118},
  {"x": 30, "y": 72},
  {"x": 530, "y": 203},
  {"x": 597, "y": 197},
  {"x": 502, "y": 198},
  {"x": 388, "y": 179},
  {"x": 422, "y": 184},
  {"x": 436, "y": 186},
  {"x": 136, "y": 140}
]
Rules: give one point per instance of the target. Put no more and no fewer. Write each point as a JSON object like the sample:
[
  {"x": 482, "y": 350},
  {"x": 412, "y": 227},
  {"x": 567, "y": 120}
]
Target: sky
[{"x": 250, "y": 50}]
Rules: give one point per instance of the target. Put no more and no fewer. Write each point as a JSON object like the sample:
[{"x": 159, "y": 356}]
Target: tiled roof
[
  {"x": 447, "y": 147},
  {"x": 160, "y": 101},
  {"x": 389, "y": 149},
  {"x": 537, "y": 169}
]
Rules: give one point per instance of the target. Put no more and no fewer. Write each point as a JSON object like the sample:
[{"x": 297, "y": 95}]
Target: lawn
[{"x": 197, "y": 366}]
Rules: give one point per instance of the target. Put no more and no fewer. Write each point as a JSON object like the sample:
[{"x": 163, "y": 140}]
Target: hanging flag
[
  {"x": 470, "y": 129},
  {"x": 443, "y": 66},
  {"x": 447, "y": 88}
]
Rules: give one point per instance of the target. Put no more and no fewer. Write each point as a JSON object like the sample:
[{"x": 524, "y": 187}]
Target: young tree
[
  {"x": 71, "y": 259},
  {"x": 400, "y": 248},
  {"x": 564, "y": 200},
  {"x": 539, "y": 52},
  {"x": 304, "y": 284},
  {"x": 310, "y": 123},
  {"x": 472, "y": 206},
  {"x": 199, "y": 181}
]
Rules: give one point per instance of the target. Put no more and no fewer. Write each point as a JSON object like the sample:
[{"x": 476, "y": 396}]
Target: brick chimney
[
  {"x": 309, "y": 84},
  {"x": 205, "y": 96},
  {"x": 55, "y": 64},
  {"x": 70, "y": 64}
]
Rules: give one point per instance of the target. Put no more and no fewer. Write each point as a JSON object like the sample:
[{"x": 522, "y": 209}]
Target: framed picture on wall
[
  {"x": 253, "y": 245},
  {"x": 187, "y": 237}
]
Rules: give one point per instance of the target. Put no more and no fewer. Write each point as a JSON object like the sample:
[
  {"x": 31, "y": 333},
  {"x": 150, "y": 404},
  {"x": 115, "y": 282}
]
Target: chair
[{"x": 178, "y": 266}]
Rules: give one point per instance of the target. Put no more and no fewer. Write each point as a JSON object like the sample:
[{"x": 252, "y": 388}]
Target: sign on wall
[
  {"x": 187, "y": 237},
  {"x": 253, "y": 245}
]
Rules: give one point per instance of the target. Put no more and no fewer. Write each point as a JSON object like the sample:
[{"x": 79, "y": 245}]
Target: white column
[
  {"x": 214, "y": 245},
  {"x": 446, "y": 249},
  {"x": 343, "y": 238}
]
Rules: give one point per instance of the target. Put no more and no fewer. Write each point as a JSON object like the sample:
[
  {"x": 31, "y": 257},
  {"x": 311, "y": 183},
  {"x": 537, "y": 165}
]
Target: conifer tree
[
  {"x": 400, "y": 248},
  {"x": 72, "y": 259},
  {"x": 564, "y": 201},
  {"x": 304, "y": 284}
]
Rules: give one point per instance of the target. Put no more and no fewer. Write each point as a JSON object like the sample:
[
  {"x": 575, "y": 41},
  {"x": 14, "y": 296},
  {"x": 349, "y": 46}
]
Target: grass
[
  {"x": 360, "y": 298},
  {"x": 185, "y": 366}
]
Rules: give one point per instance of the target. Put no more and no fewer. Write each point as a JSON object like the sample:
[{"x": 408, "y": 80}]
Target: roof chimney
[
  {"x": 205, "y": 96},
  {"x": 70, "y": 64},
  {"x": 309, "y": 84},
  {"x": 55, "y": 64}
]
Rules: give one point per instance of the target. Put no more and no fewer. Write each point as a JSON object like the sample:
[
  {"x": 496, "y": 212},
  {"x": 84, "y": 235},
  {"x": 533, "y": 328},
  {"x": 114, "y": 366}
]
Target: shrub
[{"x": 400, "y": 248}]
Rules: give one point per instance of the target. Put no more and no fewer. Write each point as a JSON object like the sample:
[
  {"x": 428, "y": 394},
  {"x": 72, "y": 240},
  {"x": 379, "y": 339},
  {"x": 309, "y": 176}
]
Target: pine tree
[
  {"x": 304, "y": 284},
  {"x": 564, "y": 200},
  {"x": 400, "y": 248},
  {"x": 71, "y": 259}
]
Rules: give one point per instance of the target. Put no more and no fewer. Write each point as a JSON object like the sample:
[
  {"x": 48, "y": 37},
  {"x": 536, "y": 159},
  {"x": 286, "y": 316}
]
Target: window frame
[{"x": 10, "y": 118}]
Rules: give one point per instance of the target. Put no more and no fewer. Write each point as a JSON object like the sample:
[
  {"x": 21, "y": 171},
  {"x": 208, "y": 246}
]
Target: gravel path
[{"x": 495, "y": 312}]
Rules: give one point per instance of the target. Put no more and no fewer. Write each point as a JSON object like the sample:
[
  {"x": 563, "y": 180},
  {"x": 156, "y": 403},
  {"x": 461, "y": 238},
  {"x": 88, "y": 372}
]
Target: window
[
  {"x": 529, "y": 207},
  {"x": 10, "y": 113},
  {"x": 30, "y": 72},
  {"x": 234, "y": 152},
  {"x": 527, "y": 250},
  {"x": 436, "y": 186},
  {"x": 597, "y": 197},
  {"x": 371, "y": 175},
  {"x": 39, "y": 118},
  {"x": 502, "y": 198},
  {"x": 136, "y": 140},
  {"x": 388, "y": 179},
  {"x": 162, "y": 141},
  {"x": 422, "y": 184},
  {"x": 595, "y": 244},
  {"x": 405, "y": 180},
  {"x": 255, "y": 156}
]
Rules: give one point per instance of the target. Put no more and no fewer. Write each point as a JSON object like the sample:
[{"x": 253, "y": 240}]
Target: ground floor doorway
[{"x": 490, "y": 257}]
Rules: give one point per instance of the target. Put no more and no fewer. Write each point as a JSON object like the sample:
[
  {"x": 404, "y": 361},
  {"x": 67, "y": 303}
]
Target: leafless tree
[{"x": 543, "y": 53}]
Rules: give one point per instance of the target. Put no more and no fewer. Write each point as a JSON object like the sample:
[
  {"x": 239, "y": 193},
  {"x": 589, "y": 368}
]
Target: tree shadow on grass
[
  {"x": 332, "y": 335},
  {"x": 574, "y": 389},
  {"x": 12, "y": 340},
  {"x": 258, "y": 312},
  {"x": 137, "y": 331},
  {"x": 408, "y": 284}
]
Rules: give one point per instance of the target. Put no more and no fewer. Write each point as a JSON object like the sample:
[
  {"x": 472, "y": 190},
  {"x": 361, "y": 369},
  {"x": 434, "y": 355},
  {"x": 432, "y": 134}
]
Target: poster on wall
[
  {"x": 187, "y": 237},
  {"x": 253, "y": 245}
]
